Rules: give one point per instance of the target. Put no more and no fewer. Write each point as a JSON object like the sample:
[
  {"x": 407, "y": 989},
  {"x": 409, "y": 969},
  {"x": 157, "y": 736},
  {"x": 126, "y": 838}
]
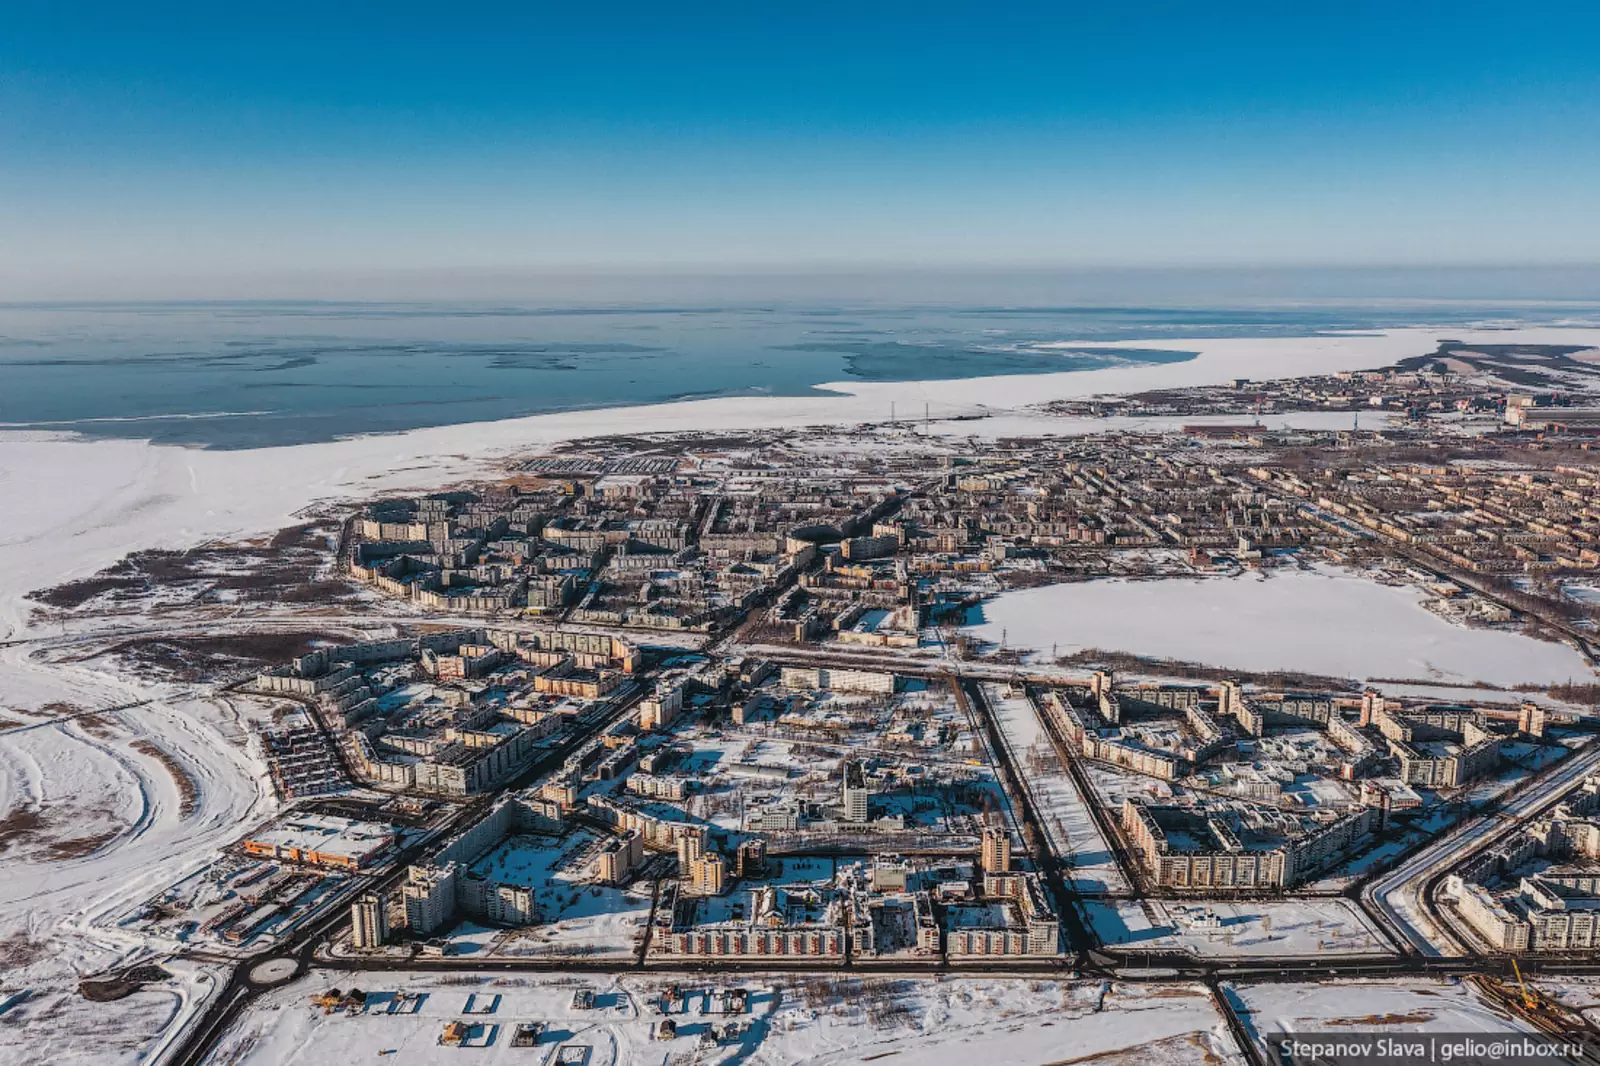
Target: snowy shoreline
[{"x": 80, "y": 505}]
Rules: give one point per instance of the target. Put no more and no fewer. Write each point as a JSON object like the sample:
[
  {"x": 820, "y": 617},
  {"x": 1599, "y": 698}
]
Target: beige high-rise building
[
  {"x": 690, "y": 847},
  {"x": 369, "y": 921},
  {"x": 708, "y": 875},
  {"x": 1229, "y": 698},
  {"x": 617, "y": 858},
  {"x": 996, "y": 850},
  {"x": 1531, "y": 719},
  {"x": 1371, "y": 706}
]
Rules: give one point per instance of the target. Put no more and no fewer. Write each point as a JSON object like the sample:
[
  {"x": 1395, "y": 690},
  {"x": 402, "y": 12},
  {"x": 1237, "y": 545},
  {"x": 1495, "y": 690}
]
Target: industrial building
[{"x": 322, "y": 840}]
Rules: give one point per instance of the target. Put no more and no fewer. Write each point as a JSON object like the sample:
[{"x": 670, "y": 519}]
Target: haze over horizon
[{"x": 177, "y": 152}]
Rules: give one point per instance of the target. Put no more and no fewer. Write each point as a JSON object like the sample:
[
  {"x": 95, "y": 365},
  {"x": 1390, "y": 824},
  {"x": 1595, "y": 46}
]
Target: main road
[
  {"x": 193, "y": 1047},
  {"x": 1400, "y": 898}
]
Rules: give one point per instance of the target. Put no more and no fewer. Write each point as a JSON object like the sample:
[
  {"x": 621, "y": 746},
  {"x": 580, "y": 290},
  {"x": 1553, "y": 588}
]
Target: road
[
  {"x": 303, "y": 943},
  {"x": 1399, "y": 898},
  {"x": 970, "y": 697}
]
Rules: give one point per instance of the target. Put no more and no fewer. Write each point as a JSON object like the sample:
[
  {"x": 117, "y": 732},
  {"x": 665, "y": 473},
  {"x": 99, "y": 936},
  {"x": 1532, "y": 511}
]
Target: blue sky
[{"x": 155, "y": 145}]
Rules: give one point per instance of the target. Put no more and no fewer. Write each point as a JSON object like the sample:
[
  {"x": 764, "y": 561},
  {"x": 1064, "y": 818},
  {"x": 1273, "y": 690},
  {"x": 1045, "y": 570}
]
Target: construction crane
[{"x": 1529, "y": 999}]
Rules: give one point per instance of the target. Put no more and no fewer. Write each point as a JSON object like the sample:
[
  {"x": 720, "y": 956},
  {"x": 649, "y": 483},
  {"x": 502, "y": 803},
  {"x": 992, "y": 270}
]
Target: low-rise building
[{"x": 321, "y": 840}]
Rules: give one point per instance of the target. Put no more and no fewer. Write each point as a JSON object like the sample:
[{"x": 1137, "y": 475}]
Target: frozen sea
[{"x": 246, "y": 375}]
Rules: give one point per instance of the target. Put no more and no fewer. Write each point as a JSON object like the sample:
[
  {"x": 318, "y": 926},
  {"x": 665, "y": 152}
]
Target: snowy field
[
  {"x": 1324, "y": 621},
  {"x": 1073, "y": 833},
  {"x": 1224, "y": 929},
  {"x": 1581, "y": 994},
  {"x": 94, "y": 819},
  {"x": 1398, "y": 1007},
  {"x": 59, "y": 1027},
  {"x": 821, "y": 1021},
  {"x": 1478, "y": 696}
]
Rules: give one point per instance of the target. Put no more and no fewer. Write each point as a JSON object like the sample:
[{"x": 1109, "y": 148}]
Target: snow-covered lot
[
  {"x": 579, "y": 918},
  {"x": 56, "y": 1025},
  {"x": 1321, "y": 621},
  {"x": 819, "y": 1020},
  {"x": 1581, "y": 994},
  {"x": 95, "y": 820},
  {"x": 1397, "y": 1007},
  {"x": 1225, "y": 929}
]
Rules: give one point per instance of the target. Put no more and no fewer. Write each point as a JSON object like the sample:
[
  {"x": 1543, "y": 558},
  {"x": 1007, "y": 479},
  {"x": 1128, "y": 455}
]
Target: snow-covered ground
[
  {"x": 1225, "y": 929},
  {"x": 1581, "y": 994},
  {"x": 823, "y": 1020},
  {"x": 1391, "y": 1007},
  {"x": 1322, "y": 621},
  {"x": 577, "y": 917},
  {"x": 1074, "y": 836},
  {"x": 97, "y": 824},
  {"x": 103, "y": 822},
  {"x": 1508, "y": 700},
  {"x": 99, "y": 812},
  {"x": 60, "y": 1027}
]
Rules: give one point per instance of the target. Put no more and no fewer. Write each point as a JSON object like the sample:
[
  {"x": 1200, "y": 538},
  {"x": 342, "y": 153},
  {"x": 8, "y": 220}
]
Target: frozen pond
[{"x": 1324, "y": 621}]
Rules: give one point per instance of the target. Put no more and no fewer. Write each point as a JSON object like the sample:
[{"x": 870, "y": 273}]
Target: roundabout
[{"x": 274, "y": 971}]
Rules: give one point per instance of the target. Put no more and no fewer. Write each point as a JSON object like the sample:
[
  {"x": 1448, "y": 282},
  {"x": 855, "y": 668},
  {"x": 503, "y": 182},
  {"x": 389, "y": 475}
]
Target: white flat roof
[{"x": 326, "y": 833}]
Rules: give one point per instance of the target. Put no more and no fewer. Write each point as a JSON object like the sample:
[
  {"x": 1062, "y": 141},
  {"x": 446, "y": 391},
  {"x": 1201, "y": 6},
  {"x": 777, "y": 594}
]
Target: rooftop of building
[{"x": 326, "y": 834}]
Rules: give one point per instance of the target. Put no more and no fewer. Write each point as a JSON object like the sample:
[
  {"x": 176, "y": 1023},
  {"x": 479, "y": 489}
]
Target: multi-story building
[
  {"x": 708, "y": 875},
  {"x": 750, "y": 859},
  {"x": 774, "y": 818},
  {"x": 873, "y": 913},
  {"x": 1014, "y": 917},
  {"x": 813, "y": 679},
  {"x": 690, "y": 847},
  {"x": 1194, "y": 849},
  {"x": 658, "y": 832},
  {"x": 1473, "y": 751},
  {"x": 996, "y": 850},
  {"x": 429, "y": 895},
  {"x": 854, "y": 794},
  {"x": 870, "y": 547},
  {"x": 321, "y": 840},
  {"x": 1547, "y": 912},
  {"x": 659, "y": 709},
  {"x": 495, "y": 902},
  {"x": 369, "y": 921},
  {"x": 777, "y": 922},
  {"x": 1531, "y": 719},
  {"x": 660, "y": 786},
  {"x": 618, "y": 857}
]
